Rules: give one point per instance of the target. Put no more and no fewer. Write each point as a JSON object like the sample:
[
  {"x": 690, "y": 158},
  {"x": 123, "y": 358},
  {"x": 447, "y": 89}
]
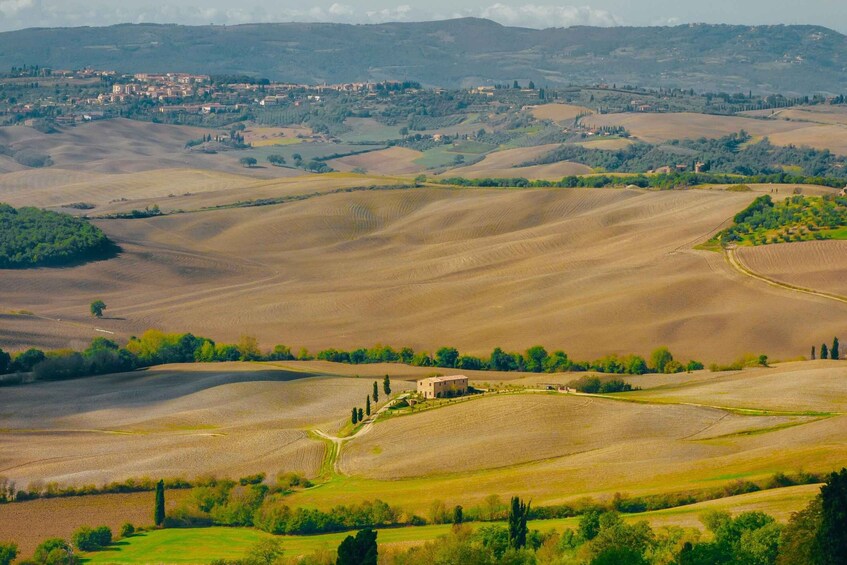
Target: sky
[{"x": 18, "y": 14}]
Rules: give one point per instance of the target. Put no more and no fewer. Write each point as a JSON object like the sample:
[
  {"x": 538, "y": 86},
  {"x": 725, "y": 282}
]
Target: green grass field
[{"x": 202, "y": 545}]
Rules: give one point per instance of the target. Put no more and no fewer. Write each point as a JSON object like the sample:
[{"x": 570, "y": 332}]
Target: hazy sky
[{"x": 16, "y": 14}]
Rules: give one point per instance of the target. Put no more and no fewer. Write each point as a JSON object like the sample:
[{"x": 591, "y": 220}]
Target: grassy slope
[{"x": 193, "y": 545}]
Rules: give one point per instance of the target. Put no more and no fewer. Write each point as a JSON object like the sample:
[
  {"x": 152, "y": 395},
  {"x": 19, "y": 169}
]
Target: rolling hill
[{"x": 457, "y": 52}]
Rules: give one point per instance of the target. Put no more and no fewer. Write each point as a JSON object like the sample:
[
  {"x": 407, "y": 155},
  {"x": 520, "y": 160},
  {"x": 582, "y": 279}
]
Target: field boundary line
[{"x": 736, "y": 263}]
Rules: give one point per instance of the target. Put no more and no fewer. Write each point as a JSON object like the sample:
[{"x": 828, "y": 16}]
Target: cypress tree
[
  {"x": 361, "y": 415},
  {"x": 355, "y": 418},
  {"x": 386, "y": 385},
  {"x": 376, "y": 393},
  {"x": 458, "y": 515},
  {"x": 832, "y": 535},
  {"x": 159, "y": 508},
  {"x": 368, "y": 405},
  {"x": 517, "y": 523},
  {"x": 813, "y": 353},
  {"x": 834, "y": 353},
  {"x": 824, "y": 351}
]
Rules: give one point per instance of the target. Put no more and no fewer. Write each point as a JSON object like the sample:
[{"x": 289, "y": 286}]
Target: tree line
[
  {"x": 155, "y": 347},
  {"x": 815, "y": 535}
]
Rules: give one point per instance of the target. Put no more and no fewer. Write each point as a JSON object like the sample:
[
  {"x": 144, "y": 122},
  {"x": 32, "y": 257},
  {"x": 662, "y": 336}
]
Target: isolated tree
[
  {"x": 458, "y": 515},
  {"x": 386, "y": 385},
  {"x": 97, "y": 308},
  {"x": 368, "y": 405},
  {"x": 248, "y": 161},
  {"x": 834, "y": 353},
  {"x": 763, "y": 360},
  {"x": 518, "y": 530},
  {"x": 516, "y": 85},
  {"x": 824, "y": 351},
  {"x": 361, "y": 415},
  {"x": 159, "y": 507},
  {"x": 355, "y": 417},
  {"x": 832, "y": 536},
  {"x": 531, "y": 85},
  {"x": 359, "y": 550},
  {"x": 265, "y": 552},
  {"x": 276, "y": 160},
  {"x": 813, "y": 353},
  {"x": 376, "y": 393}
]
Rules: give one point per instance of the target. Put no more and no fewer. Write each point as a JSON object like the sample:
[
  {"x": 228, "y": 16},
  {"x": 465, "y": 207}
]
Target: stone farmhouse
[{"x": 443, "y": 387}]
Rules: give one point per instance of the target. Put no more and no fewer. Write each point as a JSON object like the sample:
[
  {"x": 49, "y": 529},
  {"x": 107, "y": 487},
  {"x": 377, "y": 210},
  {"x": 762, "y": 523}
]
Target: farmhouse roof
[{"x": 445, "y": 379}]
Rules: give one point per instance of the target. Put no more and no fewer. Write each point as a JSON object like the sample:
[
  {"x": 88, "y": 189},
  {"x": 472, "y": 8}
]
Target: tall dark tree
[
  {"x": 832, "y": 536},
  {"x": 835, "y": 353},
  {"x": 159, "y": 507},
  {"x": 355, "y": 417},
  {"x": 518, "y": 530},
  {"x": 361, "y": 415},
  {"x": 359, "y": 550},
  {"x": 368, "y": 405},
  {"x": 376, "y": 393},
  {"x": 824, "y": 351},
  {"x": 813, "y": 353},
  {"x": 386, "y": 385},
  {"x": 458, "y": 515},
  {"x": 5, "y": 362}
]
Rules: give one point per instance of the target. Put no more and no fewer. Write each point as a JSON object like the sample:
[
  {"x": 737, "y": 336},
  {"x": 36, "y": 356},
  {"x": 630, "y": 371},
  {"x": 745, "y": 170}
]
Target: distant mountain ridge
[{"x": 460, "y": 52}]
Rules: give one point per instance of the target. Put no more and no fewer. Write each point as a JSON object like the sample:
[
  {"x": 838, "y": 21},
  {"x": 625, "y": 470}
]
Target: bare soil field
[
  {"x": 819, "y": 265},
  {"x": 182, "y": 420},
  {"x": 657, "y": 128},
  {"x": 507, "y": 430},
  {"x": 559, "y": 113},
  {"x": 793, "y": 387},
  {"x": 30, "y": 523},
  {"x": 818, "y": 114},
  {"x": 126, "y": 146},
  {"x": 425, "y": 268},
  {"x": 504, "y": 164},
  {"x": 391, "y": 161}
]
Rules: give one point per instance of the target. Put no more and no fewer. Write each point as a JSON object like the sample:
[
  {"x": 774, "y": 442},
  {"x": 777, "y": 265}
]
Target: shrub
[
  {"x": 92, "y": 539},
  {"x": 127, "y": 530}
]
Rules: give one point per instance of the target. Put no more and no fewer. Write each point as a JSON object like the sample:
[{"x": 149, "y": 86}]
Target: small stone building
[{"x": 443, "y": 387}]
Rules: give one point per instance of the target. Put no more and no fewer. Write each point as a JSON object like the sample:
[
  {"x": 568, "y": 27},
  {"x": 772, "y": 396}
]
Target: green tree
[
  {"x": 248, "y": 161},
  {"x": 55, "y": 551},
  {"x": 763, "y": 360},
  {"x": 660, "y": 358},
  {"x": 361, "y": 415},
  {"x": 276, "y": 160},
  {"x": 5, "y": 362},
  {"x": 832, "y": 536},
  {"x": 446, "y": 357},
  {"x": 355, "y": 417},
  {"x": 368, "y": 405},
  {"x": 798, "y": 542},
  {"x": 359, "y": 550},
  {"x": 376, "y": 393},
  {"x": 97, "y": 308},
  {"x": 535, "y": 357},
  {"x": 619, "y": 556},
  {"x": 127, "y": 530},
  {"x": 8, "y": 552},
  {"x": 835, "y": 353},
  {"x": 824, "y": 351},
  {"x": 265, "y": 552},
  {"x": 159, "y": 506},
  {"x": 518, "y": 514}
]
